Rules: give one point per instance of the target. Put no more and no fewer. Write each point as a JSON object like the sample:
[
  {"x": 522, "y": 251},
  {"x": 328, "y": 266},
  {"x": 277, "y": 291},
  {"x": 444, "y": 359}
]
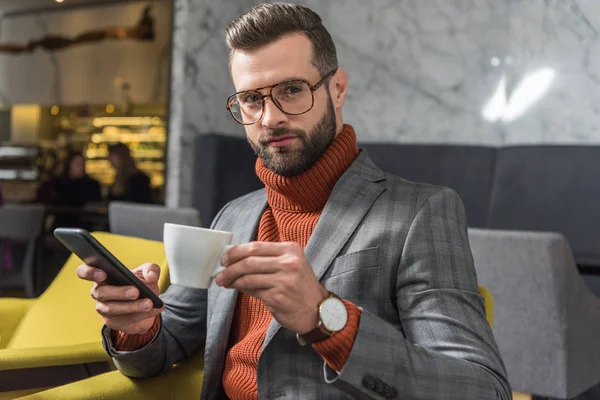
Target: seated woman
[
  {"x": 131, "y": 184},
  {"x": 71, "y": 190},
  {"x": 75, "y": 188}
]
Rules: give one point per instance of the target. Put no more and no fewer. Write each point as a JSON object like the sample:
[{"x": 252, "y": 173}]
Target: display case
[
  {"x": 142, "y": 128},
  {"x": 43, "y": 136}
]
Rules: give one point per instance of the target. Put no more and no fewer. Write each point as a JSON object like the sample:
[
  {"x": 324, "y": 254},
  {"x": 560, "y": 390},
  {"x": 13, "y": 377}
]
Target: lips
[{"x": 281, "y": 141}]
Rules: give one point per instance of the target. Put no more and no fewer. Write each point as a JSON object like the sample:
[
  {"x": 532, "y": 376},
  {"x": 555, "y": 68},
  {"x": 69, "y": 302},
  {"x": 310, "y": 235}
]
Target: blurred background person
[
  {"x": 69, "y": 192},
  {"x": 130, "y": 184},
  {"x": 74, "y": 188},
  {"x": 71, "y": 187}
]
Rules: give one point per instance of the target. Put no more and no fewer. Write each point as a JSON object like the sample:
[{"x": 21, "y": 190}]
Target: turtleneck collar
[{"x": 310, "y": 190}]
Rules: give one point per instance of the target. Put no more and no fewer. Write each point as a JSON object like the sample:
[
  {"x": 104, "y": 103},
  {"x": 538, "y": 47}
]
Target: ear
[{"x": 338, "y": 87}]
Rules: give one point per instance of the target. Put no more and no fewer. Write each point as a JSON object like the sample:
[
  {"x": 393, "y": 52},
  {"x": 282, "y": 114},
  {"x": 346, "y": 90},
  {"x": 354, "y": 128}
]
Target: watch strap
[
  {"x": 320, "y": 332},
  {"x": 317, "y": 334}
]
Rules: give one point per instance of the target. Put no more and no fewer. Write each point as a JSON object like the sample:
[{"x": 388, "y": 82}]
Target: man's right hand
[{"x": 119, "y": 305}]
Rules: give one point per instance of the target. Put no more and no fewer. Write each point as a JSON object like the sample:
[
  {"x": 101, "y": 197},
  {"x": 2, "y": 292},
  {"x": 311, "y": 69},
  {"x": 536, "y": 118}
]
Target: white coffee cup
[{"x": 194, "y": 254}]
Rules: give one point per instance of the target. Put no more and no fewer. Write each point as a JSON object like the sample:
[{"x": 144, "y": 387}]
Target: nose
[{"x": 273, "y": 117}]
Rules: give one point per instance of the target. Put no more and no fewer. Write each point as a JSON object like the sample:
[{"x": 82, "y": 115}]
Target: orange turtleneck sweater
[{"x": 294, "y": 207}]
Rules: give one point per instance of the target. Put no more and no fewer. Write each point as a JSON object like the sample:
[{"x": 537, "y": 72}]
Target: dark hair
[
  {"x": 128, "y": 166},
  {"x": 67, "y": 165},
  {"x": 266, "y": 23}
]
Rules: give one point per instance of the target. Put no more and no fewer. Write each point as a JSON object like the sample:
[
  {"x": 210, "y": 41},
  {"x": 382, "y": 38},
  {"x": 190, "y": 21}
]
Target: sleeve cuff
[
  {"x": 124, "y": 342},
  {"x": 336, "y": 349}
]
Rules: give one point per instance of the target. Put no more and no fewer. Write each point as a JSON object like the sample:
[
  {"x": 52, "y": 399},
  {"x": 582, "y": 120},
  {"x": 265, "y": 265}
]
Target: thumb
[{"x": 150, "y": 273}]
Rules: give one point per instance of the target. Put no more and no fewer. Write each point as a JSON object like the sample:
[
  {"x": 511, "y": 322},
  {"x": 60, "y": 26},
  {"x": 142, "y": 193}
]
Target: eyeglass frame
[{"x": 312, "y": 88}]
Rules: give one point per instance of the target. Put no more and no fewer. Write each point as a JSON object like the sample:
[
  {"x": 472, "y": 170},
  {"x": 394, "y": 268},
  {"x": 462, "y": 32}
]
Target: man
[{"x": 345, "y": 282}]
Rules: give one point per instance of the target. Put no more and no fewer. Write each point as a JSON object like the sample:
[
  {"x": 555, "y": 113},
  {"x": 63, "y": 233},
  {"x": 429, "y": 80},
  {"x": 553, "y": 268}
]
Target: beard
[{"x": 287, "y": 161}]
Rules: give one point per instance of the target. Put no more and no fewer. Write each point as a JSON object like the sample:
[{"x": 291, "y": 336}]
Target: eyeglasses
[{"x": 292, "y": 97}]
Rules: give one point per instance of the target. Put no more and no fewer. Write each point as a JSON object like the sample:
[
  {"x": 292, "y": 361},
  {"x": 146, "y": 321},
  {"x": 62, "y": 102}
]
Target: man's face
[{"x": 288, "y": 144}]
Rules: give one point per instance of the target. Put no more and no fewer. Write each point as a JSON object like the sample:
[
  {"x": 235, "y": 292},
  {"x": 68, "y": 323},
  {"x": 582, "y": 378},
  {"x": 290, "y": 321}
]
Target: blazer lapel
[
  {"x": 224, "y": 300},
  {"x": 351, "y": 199}
]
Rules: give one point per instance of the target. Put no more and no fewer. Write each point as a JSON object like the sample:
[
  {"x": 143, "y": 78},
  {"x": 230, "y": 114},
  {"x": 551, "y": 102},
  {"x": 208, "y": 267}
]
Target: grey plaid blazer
[{"x": 397, "y": 249}]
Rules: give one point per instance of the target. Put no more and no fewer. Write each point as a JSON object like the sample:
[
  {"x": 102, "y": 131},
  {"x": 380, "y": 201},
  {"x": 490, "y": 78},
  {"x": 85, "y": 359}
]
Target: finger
[
  {"x": 251, "y": 284},
  {"x": 248, "y": 266},
  {"x": 114, "y": 308},
  {"x": 150, "y": 272},
  {"x": 105, "y": 293},
  {"x": 90, "y": 273},
  {"x": 120, "y": 322},
  {"x": 255, "y": 249}
]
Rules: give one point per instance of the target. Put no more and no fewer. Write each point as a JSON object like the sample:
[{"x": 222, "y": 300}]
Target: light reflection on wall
[{"x": 506, "y": 107}]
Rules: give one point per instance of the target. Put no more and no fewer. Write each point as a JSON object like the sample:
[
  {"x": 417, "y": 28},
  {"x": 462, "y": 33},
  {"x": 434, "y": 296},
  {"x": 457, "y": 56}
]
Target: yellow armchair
[
  {"x": 55, "y": 339},
  {"x": 184, "y": 381}
]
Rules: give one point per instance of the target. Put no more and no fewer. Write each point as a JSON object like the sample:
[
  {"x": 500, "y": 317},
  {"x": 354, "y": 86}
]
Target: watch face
[{"x": 333, "y": 314}]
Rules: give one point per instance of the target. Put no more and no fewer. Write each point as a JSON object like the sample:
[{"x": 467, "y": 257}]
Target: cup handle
[{"x": 219, "y": 268}]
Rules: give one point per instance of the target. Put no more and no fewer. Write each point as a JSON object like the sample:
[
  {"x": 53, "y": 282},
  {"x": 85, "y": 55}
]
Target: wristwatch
[{"x": 333, "y": 317}]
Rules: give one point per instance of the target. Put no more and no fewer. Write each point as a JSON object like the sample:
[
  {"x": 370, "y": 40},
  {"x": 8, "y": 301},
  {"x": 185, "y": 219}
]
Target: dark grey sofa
[{"x": 536, "y": 188}]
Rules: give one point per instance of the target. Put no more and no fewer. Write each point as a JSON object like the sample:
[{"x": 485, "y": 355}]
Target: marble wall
[
  {"x": 490, "y": 72},
  {"x": 87, "y": 73}
]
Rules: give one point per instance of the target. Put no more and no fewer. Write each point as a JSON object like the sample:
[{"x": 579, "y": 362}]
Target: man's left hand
[{"x": 280, "y": 275}]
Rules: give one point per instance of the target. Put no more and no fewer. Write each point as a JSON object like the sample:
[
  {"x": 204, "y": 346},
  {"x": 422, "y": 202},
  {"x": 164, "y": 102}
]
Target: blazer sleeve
[
  {"x": 182, "y": 333},
  {"x": 447, "y": 349}
]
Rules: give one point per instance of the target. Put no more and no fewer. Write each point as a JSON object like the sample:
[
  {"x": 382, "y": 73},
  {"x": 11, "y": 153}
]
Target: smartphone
[{"x": 86, "y": 247}]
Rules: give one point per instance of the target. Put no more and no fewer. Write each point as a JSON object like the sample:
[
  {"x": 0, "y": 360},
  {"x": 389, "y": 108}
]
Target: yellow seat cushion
[
  {"x": 183, "y": 382},
  {"x": 65, "y": 313}
]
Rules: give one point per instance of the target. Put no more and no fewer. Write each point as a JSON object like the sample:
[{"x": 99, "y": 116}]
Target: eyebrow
[{"x": 266, "y": 86}]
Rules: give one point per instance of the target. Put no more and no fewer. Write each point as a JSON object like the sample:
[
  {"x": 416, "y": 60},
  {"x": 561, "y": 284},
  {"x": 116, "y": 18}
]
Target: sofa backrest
[
  {"x": 468, "y": 170},
  {"x": 536, "y": 188},
  {"x": 550, "y": 188},
  {"x": 223, "y": 170}
]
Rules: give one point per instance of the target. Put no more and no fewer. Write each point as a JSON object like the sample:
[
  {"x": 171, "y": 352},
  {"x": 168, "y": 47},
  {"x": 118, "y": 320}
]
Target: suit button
[
  {"x": 391, "y": 394},
  {"x": 386, "y": 390},
  {"x": 379, "y": 387},
  {"x": 368, "y": 382}
]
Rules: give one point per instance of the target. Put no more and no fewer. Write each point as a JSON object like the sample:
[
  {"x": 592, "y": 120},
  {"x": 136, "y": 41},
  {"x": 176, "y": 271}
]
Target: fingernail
[
  {"x": 99, "y": 276},
  {"x": 151, "y": 273},
  {"x": 146, "y": 306},
  {"x": 131, "y": 293},
  {"x": 219, "y": 279},
  {"x": 225, "y": 260}
]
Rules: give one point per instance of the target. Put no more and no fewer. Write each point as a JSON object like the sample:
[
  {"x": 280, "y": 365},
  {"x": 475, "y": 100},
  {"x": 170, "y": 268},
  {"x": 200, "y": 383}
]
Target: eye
[
  {"x": 249, "y": 98},
  {"x": 292, "y": 89}
]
